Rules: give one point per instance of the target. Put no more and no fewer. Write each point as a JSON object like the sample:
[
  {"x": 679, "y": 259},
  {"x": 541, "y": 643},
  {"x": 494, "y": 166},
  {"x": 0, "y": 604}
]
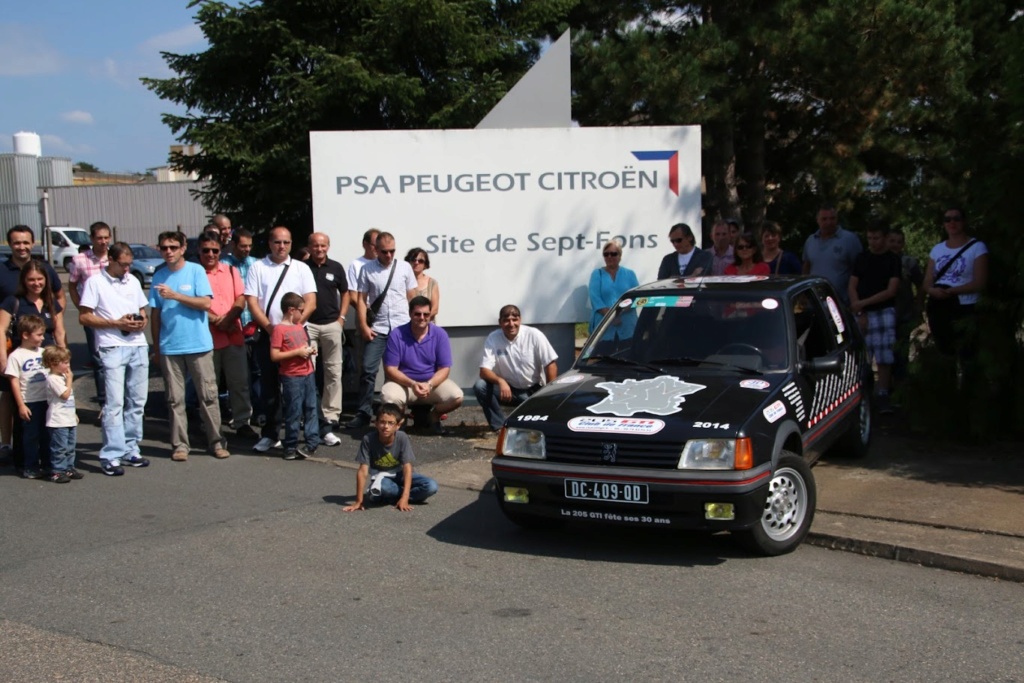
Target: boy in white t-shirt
[
  {"x": 61, "y": 418},
  {"x": 28, "y": 386}
]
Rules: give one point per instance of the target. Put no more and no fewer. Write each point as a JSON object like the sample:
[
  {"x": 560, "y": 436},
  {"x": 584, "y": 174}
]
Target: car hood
[{"x": 673, "y": 401}]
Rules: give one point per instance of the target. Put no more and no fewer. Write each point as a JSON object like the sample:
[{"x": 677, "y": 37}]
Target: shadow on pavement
[
  {"x": 997, "y": 466},
  {"x": 482, "y": 525}
]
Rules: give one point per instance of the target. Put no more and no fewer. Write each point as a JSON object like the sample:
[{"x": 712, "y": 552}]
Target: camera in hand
[{"x": 131, "y": 316}]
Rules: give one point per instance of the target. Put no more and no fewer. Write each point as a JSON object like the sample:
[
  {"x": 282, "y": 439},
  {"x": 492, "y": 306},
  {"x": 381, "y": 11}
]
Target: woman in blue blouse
[{"x": 607, "y": 284}]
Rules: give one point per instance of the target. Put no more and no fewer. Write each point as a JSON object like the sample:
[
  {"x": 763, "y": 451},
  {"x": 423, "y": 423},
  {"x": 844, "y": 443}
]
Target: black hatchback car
[{"x": 698, "y": 403}]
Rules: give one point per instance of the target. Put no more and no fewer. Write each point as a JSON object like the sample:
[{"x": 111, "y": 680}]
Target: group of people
[
  {"x": 877, "y": 284},
  {"x": 259, "y": 328}
]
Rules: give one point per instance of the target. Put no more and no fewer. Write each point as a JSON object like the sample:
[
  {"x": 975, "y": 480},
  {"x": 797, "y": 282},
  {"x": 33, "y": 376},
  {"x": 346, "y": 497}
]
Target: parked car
[
  {"x": 145, "y": 263},
  {"x": 698, "y": 403}
]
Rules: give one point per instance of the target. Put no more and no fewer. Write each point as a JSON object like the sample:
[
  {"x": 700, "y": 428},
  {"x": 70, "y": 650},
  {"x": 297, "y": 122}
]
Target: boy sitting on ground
[{"x": 385, "y": 460}]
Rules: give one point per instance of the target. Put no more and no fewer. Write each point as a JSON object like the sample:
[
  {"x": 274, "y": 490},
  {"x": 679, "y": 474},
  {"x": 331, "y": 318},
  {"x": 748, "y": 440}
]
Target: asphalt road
[{"x": 247, "y": 570}]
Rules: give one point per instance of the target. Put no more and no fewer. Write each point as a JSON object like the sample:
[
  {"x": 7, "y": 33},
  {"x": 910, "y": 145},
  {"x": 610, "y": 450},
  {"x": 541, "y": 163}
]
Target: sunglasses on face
[
  {"x": 169, "y": 247},
  {"x": 609, "y": 254},
  {"x": 677, "y": 240},
  {"x": 211, "y": 251},
  {"x": 419, "y": 260}
]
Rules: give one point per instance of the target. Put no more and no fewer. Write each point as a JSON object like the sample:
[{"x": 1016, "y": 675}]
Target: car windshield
[
  {"x": 141, "y": 251},
  {"x": 79, "y": 238},
  {"x": 728, "y": 330}
]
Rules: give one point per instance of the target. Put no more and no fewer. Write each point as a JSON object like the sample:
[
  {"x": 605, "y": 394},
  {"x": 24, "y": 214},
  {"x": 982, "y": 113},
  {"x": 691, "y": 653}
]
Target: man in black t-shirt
[
  {"x": 325, "y": 330},
  {"x": 874, "y": 282}
]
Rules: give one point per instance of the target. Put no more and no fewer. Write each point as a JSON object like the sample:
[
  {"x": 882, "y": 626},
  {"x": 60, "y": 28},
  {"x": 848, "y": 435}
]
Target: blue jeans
[
  {"x": 97, "y": 365},
  {"x": 126, "y": 369},
  {"x": 299, "y": 397},
  {"x": 489, "y": 398},
  {"x": 422, "y": 487},
  {"x": 372, "y": 353},
  {"x": 32, "y": 439},
  {"x": 63, "y": 441}
]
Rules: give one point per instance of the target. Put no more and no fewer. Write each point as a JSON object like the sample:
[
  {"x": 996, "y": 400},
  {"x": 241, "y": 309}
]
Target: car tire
[
  {"x": 788, "y": 509},
  {"x": 141, "y": 279},
  {"x": 855, "y": 442},
  {"x": 67, "y": 263}
]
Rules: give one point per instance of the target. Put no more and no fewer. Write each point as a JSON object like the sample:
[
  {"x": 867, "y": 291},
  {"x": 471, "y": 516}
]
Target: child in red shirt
[{"x": 291, "y": 350}]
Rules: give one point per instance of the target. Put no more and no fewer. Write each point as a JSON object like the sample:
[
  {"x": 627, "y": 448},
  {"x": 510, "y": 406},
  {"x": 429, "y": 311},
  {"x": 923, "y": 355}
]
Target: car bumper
[{"x": 675, "y": 499}]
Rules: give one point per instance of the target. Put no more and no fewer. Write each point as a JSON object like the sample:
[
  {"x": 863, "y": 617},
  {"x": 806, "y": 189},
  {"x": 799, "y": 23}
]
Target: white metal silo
[{"x": 28, "y": 143}]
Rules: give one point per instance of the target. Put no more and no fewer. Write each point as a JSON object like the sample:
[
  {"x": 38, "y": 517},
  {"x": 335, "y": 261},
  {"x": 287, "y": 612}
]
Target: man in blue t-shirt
[
  {"x": 417, "y": 361},
  {"x": 831, "y": 251},
  {"x": 180, "y": 297}
]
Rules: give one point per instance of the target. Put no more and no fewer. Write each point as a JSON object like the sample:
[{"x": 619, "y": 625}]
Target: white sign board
[{"x": 510, "y": 216}]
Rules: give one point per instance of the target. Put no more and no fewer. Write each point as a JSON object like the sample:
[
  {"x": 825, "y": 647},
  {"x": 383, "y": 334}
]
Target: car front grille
[{"x": 614, "y": 452}]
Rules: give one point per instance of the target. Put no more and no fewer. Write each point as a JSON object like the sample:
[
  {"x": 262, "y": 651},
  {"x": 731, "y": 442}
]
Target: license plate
[{"x": 615, "y": 491}]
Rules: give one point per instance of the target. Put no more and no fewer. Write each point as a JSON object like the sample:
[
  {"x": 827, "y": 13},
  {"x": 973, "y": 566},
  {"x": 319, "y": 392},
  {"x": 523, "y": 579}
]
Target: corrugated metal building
[
  {"x": 18, "y": 199},
  {"x": 138, "y": 213}
]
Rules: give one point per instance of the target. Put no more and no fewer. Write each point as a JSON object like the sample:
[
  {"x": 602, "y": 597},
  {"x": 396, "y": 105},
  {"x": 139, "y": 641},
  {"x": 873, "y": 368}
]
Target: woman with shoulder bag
[{"x": 956, "y": 274}]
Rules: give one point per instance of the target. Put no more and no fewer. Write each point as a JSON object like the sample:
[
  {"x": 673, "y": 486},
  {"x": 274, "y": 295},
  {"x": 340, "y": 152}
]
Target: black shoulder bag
[
  {"x": 259, "y": 332},
  {"x": 374, "y": 308}
]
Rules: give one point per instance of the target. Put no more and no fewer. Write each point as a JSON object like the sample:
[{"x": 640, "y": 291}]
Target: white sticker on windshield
[
  {"x": 625, "y": 303},
  {"x": 836, "y": 317},
  {"x": 770, "y": 304},
  {"x": 658, "y": 396},
  {"x": 569, "y": 379}
]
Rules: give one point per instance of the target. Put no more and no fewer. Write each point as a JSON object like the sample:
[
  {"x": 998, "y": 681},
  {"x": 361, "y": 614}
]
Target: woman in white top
[{"x": 957, "y": 272}]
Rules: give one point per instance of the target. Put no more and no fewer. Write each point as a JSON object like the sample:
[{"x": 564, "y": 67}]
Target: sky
[{"x": 69, "y": 71}]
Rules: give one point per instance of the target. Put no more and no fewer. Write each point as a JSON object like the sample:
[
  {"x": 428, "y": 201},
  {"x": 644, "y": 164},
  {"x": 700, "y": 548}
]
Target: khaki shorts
[{"x": 443, "y": 393}]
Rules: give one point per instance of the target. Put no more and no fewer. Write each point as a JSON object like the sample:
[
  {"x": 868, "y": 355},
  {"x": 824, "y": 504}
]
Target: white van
[{"x": 64, "y": 244}]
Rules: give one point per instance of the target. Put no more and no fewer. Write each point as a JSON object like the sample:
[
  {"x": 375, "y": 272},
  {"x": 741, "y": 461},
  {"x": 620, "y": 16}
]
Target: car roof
[{"x": 777, "y": 285}]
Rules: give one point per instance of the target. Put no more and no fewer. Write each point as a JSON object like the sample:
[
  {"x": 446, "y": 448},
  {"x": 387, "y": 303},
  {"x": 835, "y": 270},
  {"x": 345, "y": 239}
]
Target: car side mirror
[{"x": 824, "y": 365}]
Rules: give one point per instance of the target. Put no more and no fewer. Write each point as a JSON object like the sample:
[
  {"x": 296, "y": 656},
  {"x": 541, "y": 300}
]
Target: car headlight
[
  {"x": 523, "y": 443},
  {"x": 716, "y": 454},
  {"x": 150, "y": 269}
]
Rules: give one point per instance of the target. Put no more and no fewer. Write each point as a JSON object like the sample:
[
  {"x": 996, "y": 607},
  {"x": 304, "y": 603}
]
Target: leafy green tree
[
  {"x": 277, "y": 69},
  {"x": 85, "y": 167},
  {"x": 799, "y": 101}
]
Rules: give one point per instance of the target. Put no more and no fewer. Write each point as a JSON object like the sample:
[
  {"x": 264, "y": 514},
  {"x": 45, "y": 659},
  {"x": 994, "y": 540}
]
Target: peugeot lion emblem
[{"x": 608, "y": 452}]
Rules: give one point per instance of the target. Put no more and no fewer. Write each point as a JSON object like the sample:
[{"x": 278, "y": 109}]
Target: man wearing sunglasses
[
  {"x": 687, "y": 259},
  {"x": 182, "y": 343},
  {"x": 269, "y": 279},
  {"x": 384, "y": 288},
  {"x": 225, "y": 316}
]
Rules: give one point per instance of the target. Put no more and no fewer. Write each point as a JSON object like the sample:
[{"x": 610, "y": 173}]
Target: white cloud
[
  {"x": 179, "y": 38},
  {"x": 78, "y": 116},
  {"x": 24, "y": 52}
]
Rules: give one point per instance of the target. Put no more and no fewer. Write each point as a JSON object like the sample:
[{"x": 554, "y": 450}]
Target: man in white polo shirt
[
  {"x": 518, "y": 360},
  {"x": 113, "y": 304},
  {"x": 268, "y": 280}
]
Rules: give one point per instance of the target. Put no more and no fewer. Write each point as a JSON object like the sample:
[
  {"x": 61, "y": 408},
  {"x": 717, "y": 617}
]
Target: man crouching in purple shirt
[{"x": 417, "y": 361}]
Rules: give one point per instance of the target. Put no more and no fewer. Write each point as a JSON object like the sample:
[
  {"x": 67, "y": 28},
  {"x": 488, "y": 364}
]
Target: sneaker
[
  {"x": 180, "y": 455},
  {"x": 247, "y": 432},
  {"x": 357, "y": 422},
  {"x": 73, "y": 473},
  {"x": 58, "y": 478},
  {"x": 30, "y": 474},
  {"x": 438, "y": 429},
  {"x": 221, "y": 453},
  {"x": 306, "y": 452},
  {"x": 135, "y": 461},
  {"x": 265, "y": 444},
  {"x": 112, "y": 468},
  {"x": 294, "y": 454},
  {"x": 330, "y": 439}
]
